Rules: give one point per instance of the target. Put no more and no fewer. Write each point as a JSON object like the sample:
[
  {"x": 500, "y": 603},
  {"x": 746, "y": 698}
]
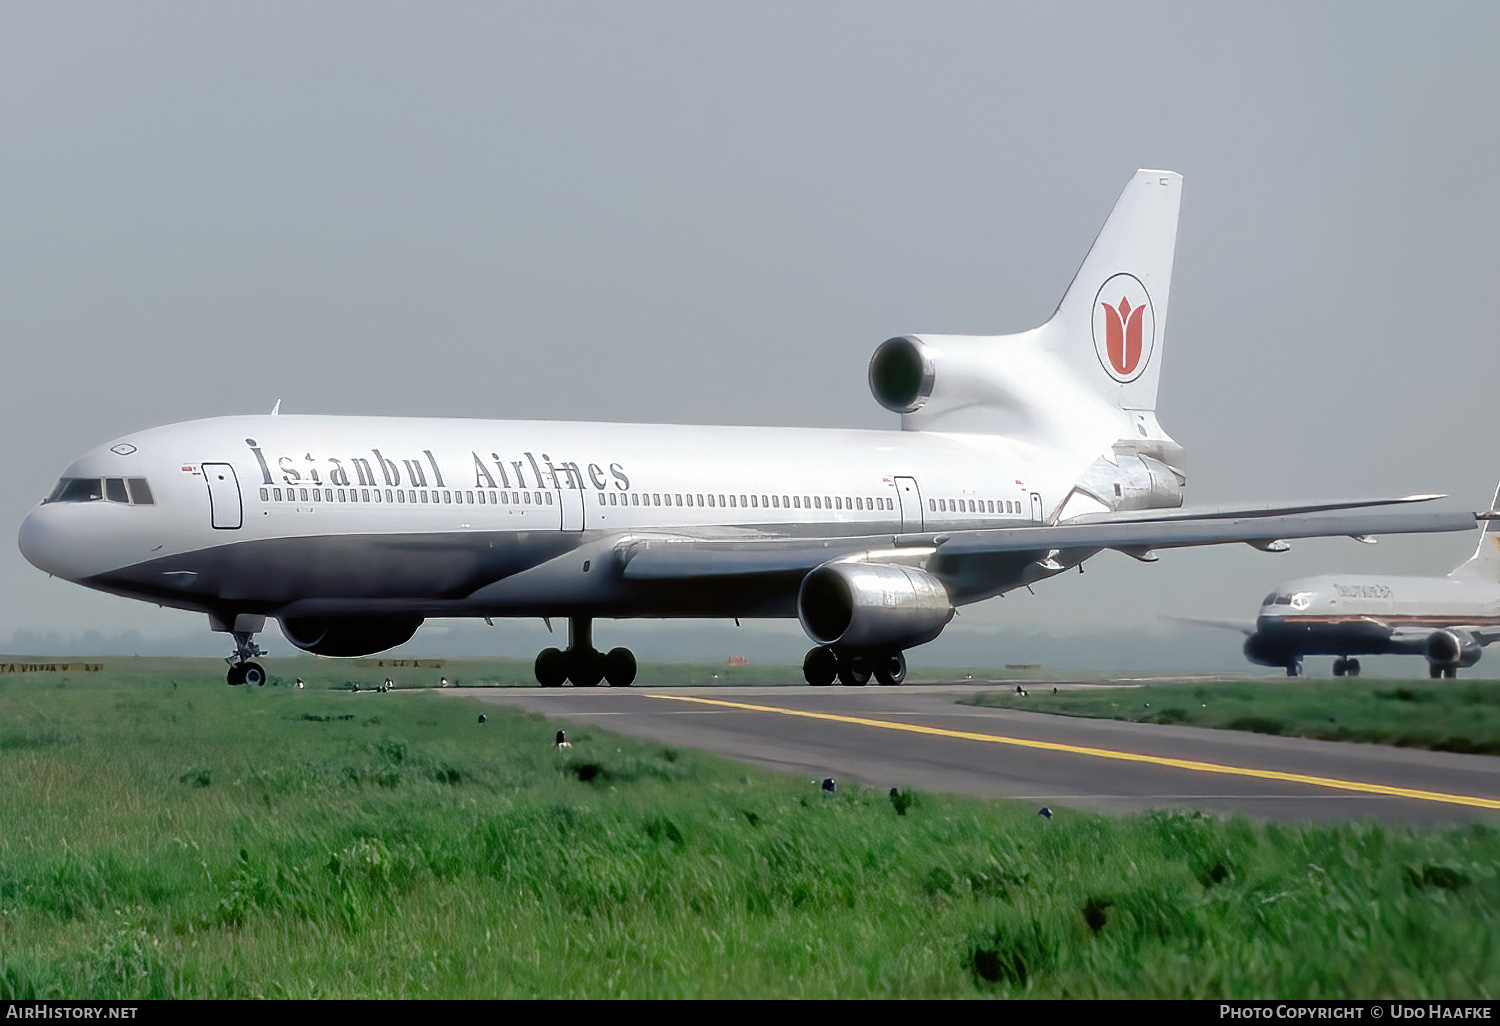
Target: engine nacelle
[
  {"x": 902, "y": 374},
  {"x": 1261, "y": 652},
  {"x": 1451, "y": 649},
  {"x": 349, "y": 636},
  {"x": 872, "y": 605}
]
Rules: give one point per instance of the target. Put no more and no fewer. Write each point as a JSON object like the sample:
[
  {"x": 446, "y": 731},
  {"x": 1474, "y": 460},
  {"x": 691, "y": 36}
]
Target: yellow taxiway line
[{"x": 1107, "y": 753}]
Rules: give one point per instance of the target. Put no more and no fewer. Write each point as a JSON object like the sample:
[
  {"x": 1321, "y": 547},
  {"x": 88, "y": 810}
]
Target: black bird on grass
[{"x": 562, "y": 741}]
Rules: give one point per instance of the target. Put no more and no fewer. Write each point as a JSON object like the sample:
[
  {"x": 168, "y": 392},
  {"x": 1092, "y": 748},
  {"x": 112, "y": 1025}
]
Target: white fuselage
[{"x": 368, "y": 514}]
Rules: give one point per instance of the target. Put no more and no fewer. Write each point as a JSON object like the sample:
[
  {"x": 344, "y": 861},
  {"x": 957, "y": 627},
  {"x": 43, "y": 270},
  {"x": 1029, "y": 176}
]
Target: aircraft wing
[
  {"x": 1240, "y": 512},
  {"x": 673, "y": 558},
  {"x": 1417, "y": 636},
  {"x": 1239, "y": 626}
]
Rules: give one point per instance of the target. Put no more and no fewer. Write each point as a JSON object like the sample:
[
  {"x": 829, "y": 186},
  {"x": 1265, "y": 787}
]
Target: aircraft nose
[{"x": 52, "y": 543}]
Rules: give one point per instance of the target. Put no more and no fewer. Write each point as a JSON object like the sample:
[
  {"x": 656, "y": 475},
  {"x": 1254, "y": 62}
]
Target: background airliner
[
  {"x": 1448, "y": 620},
  {"x": 1020, "y": 456}
]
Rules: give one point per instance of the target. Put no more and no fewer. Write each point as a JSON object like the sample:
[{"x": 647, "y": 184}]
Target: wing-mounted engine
[
  {"x": 1450, "y": 649},
  {"x": 349, "y": 636},
  {"x": 872, "y": 605}
]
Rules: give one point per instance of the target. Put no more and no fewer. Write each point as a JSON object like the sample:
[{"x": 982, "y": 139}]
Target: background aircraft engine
[
  {"x": 901, "y": 374},
  {"x": 872, "y": 605},
  {"x": 1262, "y": 653},
  {"x": 1451, "y": 649},
  {"x": 349, "y": 636}
]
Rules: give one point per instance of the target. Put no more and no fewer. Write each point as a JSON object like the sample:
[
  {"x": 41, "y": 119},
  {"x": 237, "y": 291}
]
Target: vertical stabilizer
[
  {"x": 1484, "y": 565},
  {"x": 1110, "y": 324}
]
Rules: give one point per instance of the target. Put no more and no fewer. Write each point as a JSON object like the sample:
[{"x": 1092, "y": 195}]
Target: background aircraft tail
[{"x": 1484, "y": 565}]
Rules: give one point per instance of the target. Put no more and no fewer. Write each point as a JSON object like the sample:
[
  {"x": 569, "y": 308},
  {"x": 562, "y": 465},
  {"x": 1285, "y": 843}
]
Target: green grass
[
  {"x": 163, "y": 835},
  {"x": 1447, "y": 716}
]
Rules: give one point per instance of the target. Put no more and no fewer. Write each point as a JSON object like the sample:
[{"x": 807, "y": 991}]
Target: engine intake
[
  {"x": 901, "y": 374},
  {"x": 1447, "y": 650},
  {"x": 872, "y": 605},
  {"x": 349, "y": 636}
]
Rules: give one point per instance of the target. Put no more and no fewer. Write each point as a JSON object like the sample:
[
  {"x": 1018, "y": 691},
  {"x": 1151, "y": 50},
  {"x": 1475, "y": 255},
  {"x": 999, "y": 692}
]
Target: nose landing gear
[
  {"x": 582, "y": 663},
  {"x": 242, "y": 670}
]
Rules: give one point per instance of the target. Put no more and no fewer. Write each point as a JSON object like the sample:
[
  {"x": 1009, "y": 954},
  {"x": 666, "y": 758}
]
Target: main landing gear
[
  {"x": 824, "y": 665},
  {"x": 1344, "y": 666},
  {"x": 583, "y": 664},
  {"x": 241, "y": 669}
]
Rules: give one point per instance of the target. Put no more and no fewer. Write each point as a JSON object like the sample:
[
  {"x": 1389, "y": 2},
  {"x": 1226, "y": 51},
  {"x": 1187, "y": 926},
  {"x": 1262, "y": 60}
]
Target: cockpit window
[
  {"x": 133, "y": 490},
  {"x": 77, "y": 489},
  {"x": 1268, "y": 599}
]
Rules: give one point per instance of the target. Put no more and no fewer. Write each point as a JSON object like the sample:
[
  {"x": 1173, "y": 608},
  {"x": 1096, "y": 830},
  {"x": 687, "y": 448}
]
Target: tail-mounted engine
[
  {"x": 872, "y": 605},
  {"x": 902, "y": 374}
]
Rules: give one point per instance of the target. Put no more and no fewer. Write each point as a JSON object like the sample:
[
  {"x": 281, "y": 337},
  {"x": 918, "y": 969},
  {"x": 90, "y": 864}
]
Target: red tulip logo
[
  {"x": 1124, "y": 324},
  {"x": 1122, "y": 335}
]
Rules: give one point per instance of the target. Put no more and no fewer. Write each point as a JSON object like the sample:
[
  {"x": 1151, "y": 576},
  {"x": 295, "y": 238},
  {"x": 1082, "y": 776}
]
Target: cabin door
[
  {"x": 223, "y": 496},
  {"x": 572, "y": 508},
  {"x": 910, "y": 498}
]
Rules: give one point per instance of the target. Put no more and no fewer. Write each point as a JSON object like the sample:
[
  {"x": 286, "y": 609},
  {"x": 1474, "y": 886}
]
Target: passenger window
[
  {"x": 601, "y": 498},
  {"x": 265, "y": 495},
  {"x": 341, "y": 495}
]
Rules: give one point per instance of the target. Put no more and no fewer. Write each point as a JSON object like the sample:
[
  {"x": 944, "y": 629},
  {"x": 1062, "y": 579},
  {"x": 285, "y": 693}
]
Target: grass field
[
  {"x": 163, "y": 835},
  {"x": 1448, "y": 716}
]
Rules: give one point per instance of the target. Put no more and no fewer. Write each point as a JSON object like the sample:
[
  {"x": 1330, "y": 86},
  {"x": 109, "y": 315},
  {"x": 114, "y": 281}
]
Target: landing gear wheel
[
  {"x": 1340, "y": 666},
  {"x": 1451, "y": 673},
  {"x": 1294, "y": 669},
  {"x": 854, "y": 671},
  {"x": 1351, "y": 667},
  {"x": 820, "y": 667},
  {"x": 619, "y": 667},
  {"x": 551, "y": 668},
  {"x": 236, "y": 674},
  {"x": 585, "y": 669},
  {"x": 890, "y": 669},
  {"x": 253, "y": 673},
  {"x": 1435, "y": 672}
]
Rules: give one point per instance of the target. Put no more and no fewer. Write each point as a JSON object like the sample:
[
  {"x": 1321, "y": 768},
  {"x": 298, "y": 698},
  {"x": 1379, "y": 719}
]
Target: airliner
[
  {"x": 1447, "y": 620},
  {"x": 1019, "y": 457}
]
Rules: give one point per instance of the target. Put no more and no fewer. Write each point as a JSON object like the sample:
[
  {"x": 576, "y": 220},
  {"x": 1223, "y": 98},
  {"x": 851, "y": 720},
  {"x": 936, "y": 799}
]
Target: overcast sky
[{"x": 713, "y": 212}]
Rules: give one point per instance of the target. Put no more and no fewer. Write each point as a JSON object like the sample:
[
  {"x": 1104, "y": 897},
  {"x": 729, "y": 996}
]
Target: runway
[{"x": 918, "y": 736}]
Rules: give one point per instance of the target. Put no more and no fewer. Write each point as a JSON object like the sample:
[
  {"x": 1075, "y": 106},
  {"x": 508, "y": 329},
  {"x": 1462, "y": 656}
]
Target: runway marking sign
[{"x": 1107, "y": 753}]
